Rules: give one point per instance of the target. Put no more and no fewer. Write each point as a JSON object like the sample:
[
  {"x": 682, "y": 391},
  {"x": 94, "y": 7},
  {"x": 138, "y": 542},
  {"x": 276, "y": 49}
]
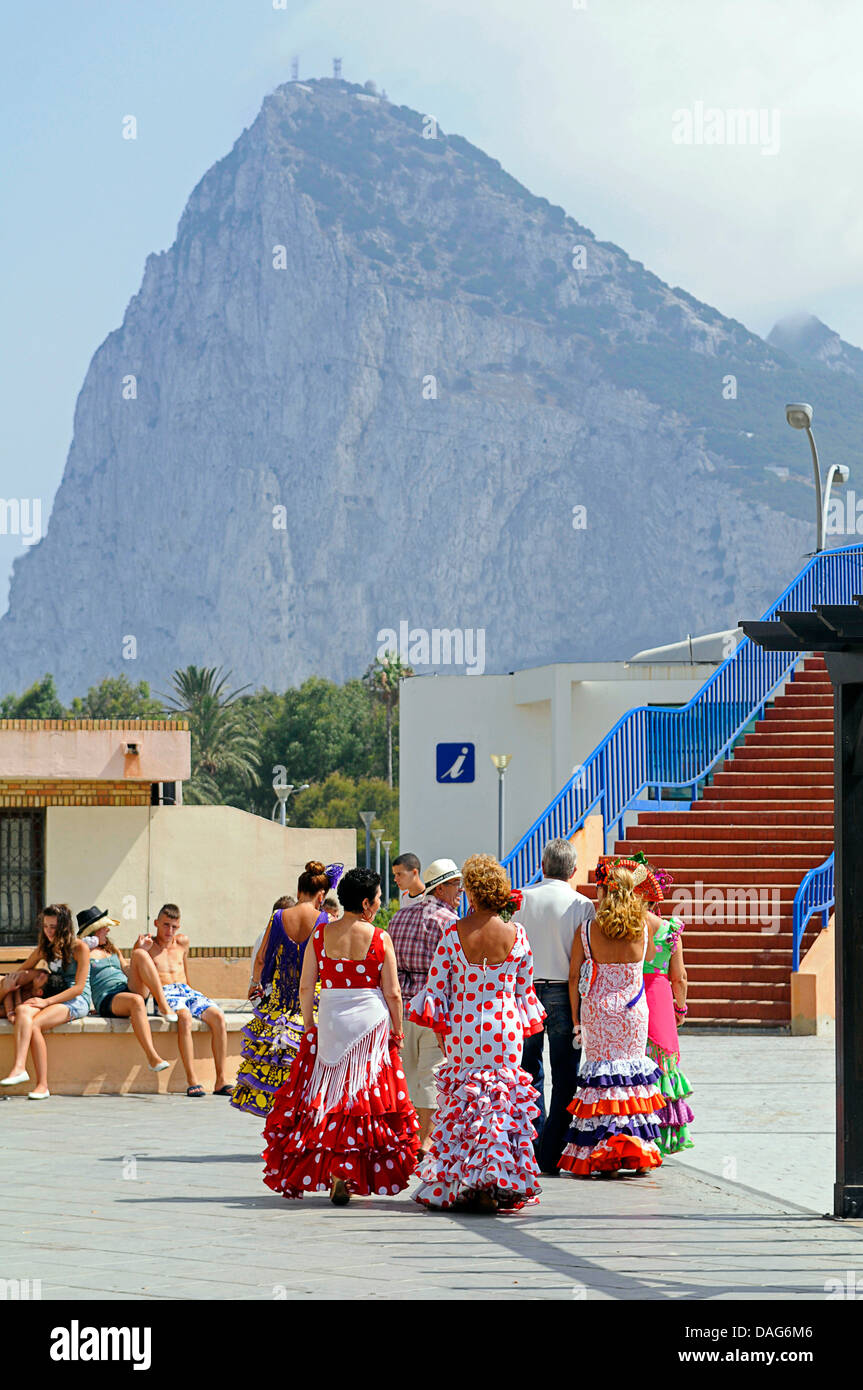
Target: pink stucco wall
[{"x": 95, "y": 754}]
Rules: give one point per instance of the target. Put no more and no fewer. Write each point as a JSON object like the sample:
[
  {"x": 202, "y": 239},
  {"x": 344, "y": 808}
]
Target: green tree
[
  {"x": 117, "y": 698},
  {"x": 317, "y": 729},
  {"x": 383, "y": 680},
  {"x": 223, "y": 750},
  {"x": 41, "y": 701},
  {"x": 338, "y": 800}
]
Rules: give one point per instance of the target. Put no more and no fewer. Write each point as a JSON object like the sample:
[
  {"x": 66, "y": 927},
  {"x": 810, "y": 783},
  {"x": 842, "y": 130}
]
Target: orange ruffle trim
[
  {"x": 633, "y": 1105},
  {"x": 613, "y": 1154}
]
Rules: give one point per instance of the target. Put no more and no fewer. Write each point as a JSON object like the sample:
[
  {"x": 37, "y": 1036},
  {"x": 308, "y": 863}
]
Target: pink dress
[
  {"x": 614, "y": 1107},
  {"x": 483, "y": 1134}
]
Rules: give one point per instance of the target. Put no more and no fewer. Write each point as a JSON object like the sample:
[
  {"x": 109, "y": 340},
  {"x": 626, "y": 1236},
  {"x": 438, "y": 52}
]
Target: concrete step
[
  {"x": 768, "y": 763},
  {"x": 704, "y": 814},
  {"x": 711, "y": 858},
  {"x": 766, "y": 1012},
  {"x": 696, "y": 833},
  {"x": 743, "y": 993}
]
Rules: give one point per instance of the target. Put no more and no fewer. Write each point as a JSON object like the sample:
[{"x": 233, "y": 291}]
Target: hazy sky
[{"x": 576, "y": 98}]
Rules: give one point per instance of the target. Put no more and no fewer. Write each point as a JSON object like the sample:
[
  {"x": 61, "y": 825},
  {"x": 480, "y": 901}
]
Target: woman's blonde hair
[
  {"x": 486, "y": 881},
  {"x": 622, "y": 913}
]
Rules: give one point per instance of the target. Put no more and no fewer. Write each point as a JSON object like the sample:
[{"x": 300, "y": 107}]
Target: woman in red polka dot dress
[
  {"x": 480, "y": 997},
  {"x": 343, "y": 1121}
]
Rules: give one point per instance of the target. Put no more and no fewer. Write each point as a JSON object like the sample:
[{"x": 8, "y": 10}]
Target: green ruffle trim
[
  {"x": 673, "y": 1084},
  {"x": 672, "y": 1139}
]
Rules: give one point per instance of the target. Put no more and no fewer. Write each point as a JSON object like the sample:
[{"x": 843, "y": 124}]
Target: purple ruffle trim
[
  {"x": 607, "y": 1079},
  {"x": 675, "y": 1113},
  {"x": 634, "y": 1125}
]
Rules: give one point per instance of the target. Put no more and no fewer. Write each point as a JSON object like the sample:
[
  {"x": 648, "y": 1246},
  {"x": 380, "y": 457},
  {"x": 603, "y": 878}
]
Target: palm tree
[
  {"x": 382, "y": 682},
  {"x": 221, "y": 744}
]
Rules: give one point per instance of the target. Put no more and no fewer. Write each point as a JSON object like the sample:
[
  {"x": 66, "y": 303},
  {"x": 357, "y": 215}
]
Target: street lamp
[
  {"x": 388, "y": 844},
  {"x": 378, "y": 834},
  {"x": 501, "y": 762},
  {"x": 367, "y": 817},
  {"x": 284, "y": 790},
  {"x": 799, "y": 417}
]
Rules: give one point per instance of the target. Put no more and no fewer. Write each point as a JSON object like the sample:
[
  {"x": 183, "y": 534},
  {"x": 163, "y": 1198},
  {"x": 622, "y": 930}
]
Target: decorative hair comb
[{"x": 334, "y": 873}]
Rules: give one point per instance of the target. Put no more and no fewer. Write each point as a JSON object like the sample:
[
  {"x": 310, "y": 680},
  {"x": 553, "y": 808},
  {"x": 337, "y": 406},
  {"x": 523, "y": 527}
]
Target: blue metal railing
[
  {"x": 652, "y": 747},
  {"x": 815, "y": 894}
]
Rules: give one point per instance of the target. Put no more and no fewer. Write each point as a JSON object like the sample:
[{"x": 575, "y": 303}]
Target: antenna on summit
[
  {"x": 337, "y": 67},
  {"x": 295, "y": 69}
]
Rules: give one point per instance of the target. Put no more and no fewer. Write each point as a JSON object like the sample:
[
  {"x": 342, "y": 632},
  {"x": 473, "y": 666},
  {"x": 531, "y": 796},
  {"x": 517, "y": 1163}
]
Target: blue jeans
[{"x": 551, "y": 1129}]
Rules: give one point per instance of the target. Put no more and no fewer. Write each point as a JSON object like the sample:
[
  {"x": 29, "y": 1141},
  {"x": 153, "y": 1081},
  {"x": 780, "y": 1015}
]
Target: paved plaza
[{"x": 142, "y": 1197}]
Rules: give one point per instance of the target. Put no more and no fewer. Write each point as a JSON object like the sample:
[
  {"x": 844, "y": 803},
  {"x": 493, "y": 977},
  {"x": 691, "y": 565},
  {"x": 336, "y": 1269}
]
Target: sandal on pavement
[
  {"x": 224, "y": 1091},
  {"x": 194, "y": 1091},
  {"x": 39, "y": 1095}
]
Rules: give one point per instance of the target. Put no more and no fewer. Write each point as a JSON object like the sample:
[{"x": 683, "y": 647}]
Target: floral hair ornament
[
  {"x": 645, "y": 882},
  {"x": 334, "y": 873},
  {"x": 516, "y": 898}
]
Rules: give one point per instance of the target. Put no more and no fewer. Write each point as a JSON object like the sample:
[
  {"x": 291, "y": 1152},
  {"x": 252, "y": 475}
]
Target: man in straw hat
[{"x": 415, "y": 931}]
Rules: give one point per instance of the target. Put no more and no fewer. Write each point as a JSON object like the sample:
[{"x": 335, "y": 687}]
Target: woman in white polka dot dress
[
  {"x": 480, "y": 997},
  {"x": 343, "y": 1121}
]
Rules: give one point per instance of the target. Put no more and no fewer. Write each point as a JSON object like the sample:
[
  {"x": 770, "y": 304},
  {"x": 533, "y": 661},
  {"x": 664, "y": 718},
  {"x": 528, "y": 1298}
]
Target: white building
[{"x": 549, "y": 718}]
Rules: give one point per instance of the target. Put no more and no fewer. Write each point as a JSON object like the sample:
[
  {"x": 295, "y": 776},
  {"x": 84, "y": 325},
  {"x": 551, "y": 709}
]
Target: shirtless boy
[{"x": 169, "y": 948}]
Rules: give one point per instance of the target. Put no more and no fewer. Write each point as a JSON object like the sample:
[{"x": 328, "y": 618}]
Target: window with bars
[{"x": 22, "y": 874}]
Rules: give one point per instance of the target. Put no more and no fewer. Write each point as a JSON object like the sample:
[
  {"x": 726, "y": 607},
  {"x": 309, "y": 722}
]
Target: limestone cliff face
[{"x": 373, "y": 377}]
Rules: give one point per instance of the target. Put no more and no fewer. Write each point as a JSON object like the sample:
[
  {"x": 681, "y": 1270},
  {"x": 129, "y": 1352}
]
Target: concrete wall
[
  {"x": 813, "y": 988},
  {"x": 549, "y": 718},
  {"x": 223, "y": 867}
]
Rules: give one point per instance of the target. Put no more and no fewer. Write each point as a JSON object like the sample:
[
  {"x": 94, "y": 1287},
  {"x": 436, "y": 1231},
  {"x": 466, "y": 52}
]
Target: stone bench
[{"x": 101, "y": 1056}]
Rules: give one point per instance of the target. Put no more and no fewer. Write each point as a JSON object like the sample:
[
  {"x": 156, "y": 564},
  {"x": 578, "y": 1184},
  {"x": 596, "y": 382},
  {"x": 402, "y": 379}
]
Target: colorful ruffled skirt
[
  {"x": 614, "y": 1118},
  {"x": 664, "y": 1049},
  {"x": 675, "y": 1116},
  {"x": 370, "y": 1142},
  {"x": 270, "y": 1044},
  {"x": 482, "y": 1139}
]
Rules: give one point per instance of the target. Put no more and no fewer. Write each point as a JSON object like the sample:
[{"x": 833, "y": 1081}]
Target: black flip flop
[
  {"x": 224, "y": 1091},
  {"x": 194, "y": 1091}
]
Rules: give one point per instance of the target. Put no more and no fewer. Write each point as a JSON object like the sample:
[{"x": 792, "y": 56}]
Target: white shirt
[
  {"x": 551, "y": 914},
  {"x": 255, "y": 949}
]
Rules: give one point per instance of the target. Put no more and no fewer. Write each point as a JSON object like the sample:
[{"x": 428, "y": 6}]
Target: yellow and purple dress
[{"x": 272, "y": 1039}]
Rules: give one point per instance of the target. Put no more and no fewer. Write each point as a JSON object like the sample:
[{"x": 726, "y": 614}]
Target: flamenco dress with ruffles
[
  {"x": 272, "y": 1039},
  {"x": 483, "y": 1134},
  {"x": 614, "y": 1109},
  {"x": 662, "y": 1041},
  {"x": 344, "y": 1111}
]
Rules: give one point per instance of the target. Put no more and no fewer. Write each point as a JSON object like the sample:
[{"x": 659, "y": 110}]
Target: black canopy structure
[{"x": 837, "y": 631}]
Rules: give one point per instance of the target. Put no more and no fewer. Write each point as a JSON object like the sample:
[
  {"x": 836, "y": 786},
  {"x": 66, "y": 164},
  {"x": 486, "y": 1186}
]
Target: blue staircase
[{"x": 651, "y": 750}]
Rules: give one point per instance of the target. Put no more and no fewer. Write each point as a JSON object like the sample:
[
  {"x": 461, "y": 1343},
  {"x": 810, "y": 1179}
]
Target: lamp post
[
  {"x": 377, "y": 834},
  {"x": 367, "y": 817},
  {"x": 284, "y": 790},
  {"x": 501, "y": 762},
  {"x": 799, "y": 417},
  {"x": 388, "y": 844}
]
